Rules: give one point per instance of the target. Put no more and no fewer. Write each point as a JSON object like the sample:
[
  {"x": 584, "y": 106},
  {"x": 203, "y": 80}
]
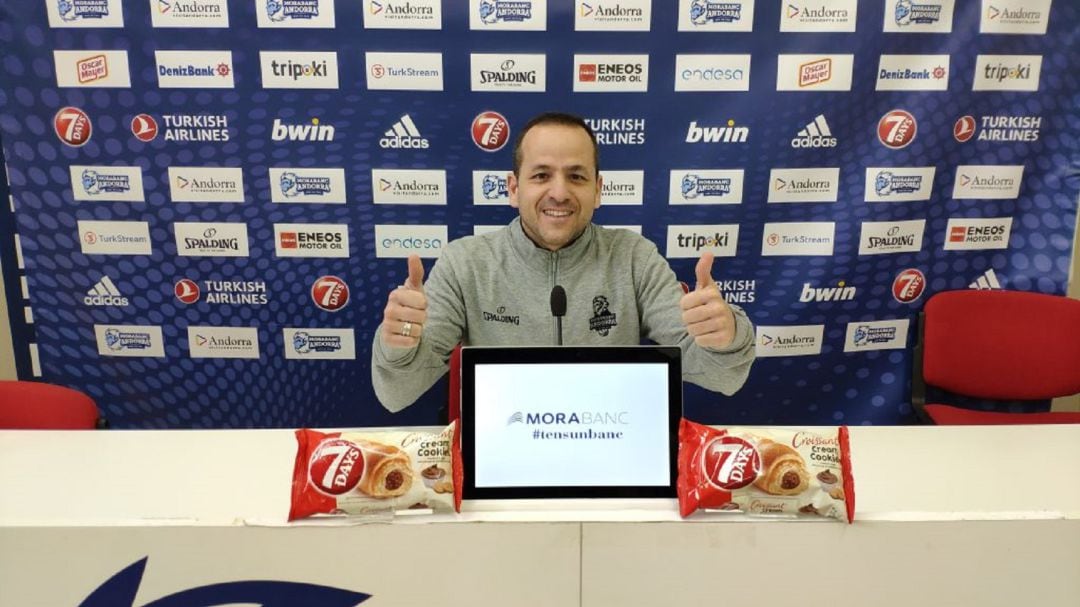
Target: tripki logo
[
  {"x": 403, "y": 135},
  {"x": 73, "y": 126},
  {"x": 831, "y": 16},
  {"x": 107, "y": 183},
  {"x": 295, "y": 13},
  {"x": 967, "y": 234},
  {"x": 508, "y": 73},
  {"x": 611, "y": 73},
  {"x": 107, "y": 69},
  {"x": 716, "y": 15},
  {"x": 190, "y": 13},
  {"x": 330, "y": 293},
  {"x": 897, "y": 129},
  {"x": 311, "y": 240},
  {"x": 295, "y": 184},
  {"x": 490, "y": 131},
  {"x": 85, "y": 13},
  {"x": 530, "y": 15},
  {"x": 129, "y": 340},
  {"x": 876, "y": 335},
  {"x": 612, "y": 15},
  {"x": 319, "y": 344},
  {"x": 490, "y": 188},
  {"x": 690, "y": 241},
  {"x": 403, "y": 14},
  {"x": 916, "y": 16},
  {"x": 704, "y": 186},
  {"x": 908, "y": 286},
  {"x": 1007, "y": 73},
  {"x": 298, "y": 70},
  {"x": 790, "y": 340},
  {"x": 194, "y": 69},
  {"x": 1014, "y": 16}
]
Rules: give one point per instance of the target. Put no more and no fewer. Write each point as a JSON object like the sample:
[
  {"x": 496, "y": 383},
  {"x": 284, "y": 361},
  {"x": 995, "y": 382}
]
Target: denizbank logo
[
  {"x": 223, "y": 342},
  {"x": 304, "y": 185},
  {"x": 705, "y": 186},
  {"x": 311, "y": 240},
  {"x": 988, "y": 181},
  {"x": 403, "y": 14},
  {"x": 206, "y": 184},
  {"x": 189, "y": 13},
  {"x": 716, "y": 15},
  {"x": 879, "y": 237},
  {"x": 528, "y": 15},
  {"x": 295, "y": 13},
  {"x": 804, "y": 185},
  {"x": 194, "y": 69},
  {"x": 622, "y": 187},
  {"x": 98, "y": 69},
  {"x": 114, "y": 237},
  {"x": 319, "y": 344},
  {"x": 876, "y": 335},
  {"x": 400, "y": 241},
  {"x": 898, "y": 184},
  {"x": 612, "y": 15},
  {"x": 1007, "y": 73},
  {"x": 810, "y": 238},
  {"x": 690, "y": 241},
  {"x": 712, "y": 72},
  {"x": 919, "y": 16},
  {"x": 969, "y": 234},
  {"x": 505, "y": 73},
  {"x": 611, "y": 73},
  {"x": 913, "y": 73},
  {"x": 298, "y": 70},
  {"x": 408, "y": 186},
  {"x": 489, "y": 188},
  {"x": 791, "y": 340},
  {"x": 200, "y": 239},
  {"x": 129, "y": 340},
  {"x": 1014, "y": 16},
  {"x": 85, "y": 13},
  {"x": 92, "y": 183},
  {"x": 404, "y": 71},
  {"x": 818, "y": 15}
]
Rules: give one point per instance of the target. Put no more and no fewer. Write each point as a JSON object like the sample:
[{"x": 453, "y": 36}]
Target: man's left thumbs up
[{"x": 707, "y": 316}]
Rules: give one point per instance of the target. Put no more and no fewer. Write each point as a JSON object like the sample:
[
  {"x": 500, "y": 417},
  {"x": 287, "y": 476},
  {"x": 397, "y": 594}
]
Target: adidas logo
[
  {"x": 988, "y": 280},
  {"x": 815, "y": 135},
  {"x": 403, "y": 134},
  {"x": 105, "y": 293}
]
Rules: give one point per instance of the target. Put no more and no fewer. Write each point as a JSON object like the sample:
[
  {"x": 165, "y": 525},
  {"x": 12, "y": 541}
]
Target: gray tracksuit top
[{"x": 494, "y": 289}]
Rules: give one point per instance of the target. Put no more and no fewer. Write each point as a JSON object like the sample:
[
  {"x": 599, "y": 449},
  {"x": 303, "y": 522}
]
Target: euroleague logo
[
  {"x": 144, "y": 127},
  {"x": 186, "y": 291},
  {"x": 908, "y": 285},
  {"x": 730, "y": 463},
  {"x": 490, "y": 131},
  {"x": 73, "y": 126},
  {"x": 896, "y": 129},
  {"x": 330, "y": 293},
  {"x": 335, "y": 466}
]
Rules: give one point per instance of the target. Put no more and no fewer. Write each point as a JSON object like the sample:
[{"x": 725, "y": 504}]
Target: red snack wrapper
[
  {"x": 764, "y": 471},
  {"x": 374, "y": 473}
]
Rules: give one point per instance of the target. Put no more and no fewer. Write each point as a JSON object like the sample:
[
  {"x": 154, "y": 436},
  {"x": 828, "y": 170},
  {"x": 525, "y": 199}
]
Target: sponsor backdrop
[{"x": 212, "y": 199}]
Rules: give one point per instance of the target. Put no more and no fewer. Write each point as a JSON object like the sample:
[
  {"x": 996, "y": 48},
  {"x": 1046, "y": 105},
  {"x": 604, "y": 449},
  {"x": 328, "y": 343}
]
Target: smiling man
[{"x": 494, "y": 289}]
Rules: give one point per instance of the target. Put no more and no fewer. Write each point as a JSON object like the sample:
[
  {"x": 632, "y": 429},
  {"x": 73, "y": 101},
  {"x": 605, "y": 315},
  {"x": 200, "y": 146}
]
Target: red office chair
[
  {"x": 997, "y": 345},
  {"x": 454, "y": 405},
  {"x": 26, "y": 405}
]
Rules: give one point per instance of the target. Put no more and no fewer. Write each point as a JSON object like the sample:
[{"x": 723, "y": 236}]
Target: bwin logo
[
  {"x": 494, "y": 187},
  {"x": 302, "y": 132},
  {"x": 837, "y": 293},
  {"x": 403, "y": 134},
  {"x": 712, "y": 134}
]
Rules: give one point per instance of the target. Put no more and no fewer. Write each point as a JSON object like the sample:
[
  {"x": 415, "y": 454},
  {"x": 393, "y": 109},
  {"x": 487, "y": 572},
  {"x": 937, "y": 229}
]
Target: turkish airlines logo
[
  {"x": 897, "y": 129},
  {"x": 186, "y": 290},
  {"x": 490, "y": 131},
  {"x": 144, "y": 127},
  {"x": 964, "y": 129},
  {"x": 73, "y": 126},
  {"x": 330, "y": 293}
]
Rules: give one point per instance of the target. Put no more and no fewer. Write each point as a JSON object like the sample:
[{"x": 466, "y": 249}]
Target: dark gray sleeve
[
  {"x": 658, "y": 294},
  {"x": 401, "y": 375}
]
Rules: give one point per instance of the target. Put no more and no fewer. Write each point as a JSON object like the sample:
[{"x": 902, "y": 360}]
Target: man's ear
[
  {"x": 599, "y": 188},
  {"x": 512, "y": 189}
]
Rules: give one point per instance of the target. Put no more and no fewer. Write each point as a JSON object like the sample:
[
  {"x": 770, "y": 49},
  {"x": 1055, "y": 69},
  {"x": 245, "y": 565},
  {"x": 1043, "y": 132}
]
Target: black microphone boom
[{"x": 558, "y": 310}]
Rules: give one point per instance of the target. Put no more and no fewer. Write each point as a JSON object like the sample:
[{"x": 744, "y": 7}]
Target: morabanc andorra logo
[{"x": 603, "y": 320}]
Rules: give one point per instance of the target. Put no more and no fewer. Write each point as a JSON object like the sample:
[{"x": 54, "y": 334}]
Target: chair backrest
[
  {"x": 26, "y": 405},
  {"x": 1002, "y": 344},
  {"x": 454, "y": 408}
]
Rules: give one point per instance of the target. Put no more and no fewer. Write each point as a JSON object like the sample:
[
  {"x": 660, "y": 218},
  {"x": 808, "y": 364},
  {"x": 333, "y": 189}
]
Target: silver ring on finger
[{"x": 406, "y": 329}]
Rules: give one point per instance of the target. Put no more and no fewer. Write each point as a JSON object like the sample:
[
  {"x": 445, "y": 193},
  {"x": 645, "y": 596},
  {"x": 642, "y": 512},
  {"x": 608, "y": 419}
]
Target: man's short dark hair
[{"x": 560, "y": 118}]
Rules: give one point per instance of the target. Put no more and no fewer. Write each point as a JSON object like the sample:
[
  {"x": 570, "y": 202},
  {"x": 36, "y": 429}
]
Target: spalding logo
[{"x": 120, "y": 591}]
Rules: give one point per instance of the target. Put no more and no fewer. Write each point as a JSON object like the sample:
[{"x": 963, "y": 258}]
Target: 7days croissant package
[
  {"x": 374, "y": 473},
  {"x": 766, "y": 471}
]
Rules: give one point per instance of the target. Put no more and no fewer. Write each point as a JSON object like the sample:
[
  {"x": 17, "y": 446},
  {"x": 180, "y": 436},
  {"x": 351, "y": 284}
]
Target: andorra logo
[{"x": 120, "y": 591}]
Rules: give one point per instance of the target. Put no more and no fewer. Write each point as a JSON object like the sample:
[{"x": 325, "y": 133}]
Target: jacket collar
[{"x": 541, "y": 259}]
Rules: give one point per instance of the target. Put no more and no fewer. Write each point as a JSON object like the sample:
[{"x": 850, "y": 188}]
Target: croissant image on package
[
  {"x": 387, "y": 470},
  {"x": 783, "y": 471}
]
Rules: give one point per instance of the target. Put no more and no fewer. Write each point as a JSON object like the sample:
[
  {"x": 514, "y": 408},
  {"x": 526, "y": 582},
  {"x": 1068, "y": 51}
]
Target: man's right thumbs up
[{"x": 406, "y": 309}]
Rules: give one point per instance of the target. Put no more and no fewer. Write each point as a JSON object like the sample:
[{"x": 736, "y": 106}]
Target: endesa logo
[
  {"x": 897, "y": 129},
  {"x": 295, "y": 13},
  {"x": 908, "y": 285},
  {"x": 400, "y": 241},
  {"x": 716, "y": 15},
  {"x": 330, "y": 293},
  {"x": 611, "y": 73},
  {"x": 529, "y": 15},
  {"x": 490, "y": 131},
  {"x": 73, "y": 126},
  {"x": 712, "y": 72}
]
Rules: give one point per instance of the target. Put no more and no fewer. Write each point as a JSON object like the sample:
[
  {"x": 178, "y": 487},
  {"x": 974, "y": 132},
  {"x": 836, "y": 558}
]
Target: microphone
[{"x": 558, "y": 309}]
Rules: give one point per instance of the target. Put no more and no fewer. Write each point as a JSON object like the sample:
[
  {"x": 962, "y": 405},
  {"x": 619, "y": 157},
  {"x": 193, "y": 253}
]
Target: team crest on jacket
[{"x": 603, "y": 319}]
